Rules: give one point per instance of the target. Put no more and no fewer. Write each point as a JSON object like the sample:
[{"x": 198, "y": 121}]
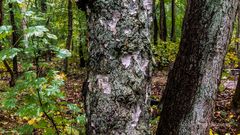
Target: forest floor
[{"x": 225, "y": 121}]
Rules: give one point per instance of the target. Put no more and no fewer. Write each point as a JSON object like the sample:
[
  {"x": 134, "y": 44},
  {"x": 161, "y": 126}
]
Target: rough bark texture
[
  {"x": 155, "y": 24},
  {"x": 70, "y": 32},
  {"x": 163, "y": 21},
  {"x": 173, "y": 31},
  {"x": 120, "y": 67},
  {"x": 193, "y": 81},
  {"x": 236, "y": 97}
]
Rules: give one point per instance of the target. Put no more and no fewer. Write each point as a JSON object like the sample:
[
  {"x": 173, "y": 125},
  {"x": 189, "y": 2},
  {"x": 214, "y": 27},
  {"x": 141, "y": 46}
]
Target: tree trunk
[
  {"x": 155, "y": 25},
  {"x": 192, "y": 83},
  {"x": 236, "y": 97},
  {"x": 12, "y": 81},
  {"x": 24, "y": 25},
  {"x": 70, "y": 31},
  {"x": 44, "y": 6},
  {"x": 163, "y": 23},
  {"x": 15, "y": 38},
  {"x": 120, "y": 67},
  {"x": 173, "y": 32},
  {"x": 80, "y": 52}
]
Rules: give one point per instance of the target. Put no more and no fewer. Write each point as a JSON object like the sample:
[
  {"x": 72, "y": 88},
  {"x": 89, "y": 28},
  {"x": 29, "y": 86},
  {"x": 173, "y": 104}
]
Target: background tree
[
  {"x": 163, "y": 21},
  {"x": 236, "y": 97},
  {"x": 15, "y": 36},
  {"x": 70, "y": 31},
  {"x": 155, "y": 23},
  {"x": 173, "y": 31},
  {"x": 193, "y": 81}
]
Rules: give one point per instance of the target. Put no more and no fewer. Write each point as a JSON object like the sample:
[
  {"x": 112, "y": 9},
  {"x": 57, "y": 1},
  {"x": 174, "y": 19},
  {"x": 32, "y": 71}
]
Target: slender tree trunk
[
  {"x": 80, "y": 51},
  {"x": 155, "y": 24},
  {"x": 44, "y": 6},
  {"x": 163, "y": 21},
  {"x": 192, "y": 83},
  {"x": 70, "y": 30},
  {"x": 173, "y": 32},
  {"x": 12, "y": 81},
  {"x": 15, "y": 38},
  {"x": 236, "y": 97},
  {"x": 24, "y": 25},
  {"x": 120, "y": 59}
]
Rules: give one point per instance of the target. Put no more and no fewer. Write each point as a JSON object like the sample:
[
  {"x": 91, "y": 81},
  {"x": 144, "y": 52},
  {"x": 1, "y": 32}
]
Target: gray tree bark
[
  {"x": 120, "y": 67},
  {"x": 193, "y": 81}
]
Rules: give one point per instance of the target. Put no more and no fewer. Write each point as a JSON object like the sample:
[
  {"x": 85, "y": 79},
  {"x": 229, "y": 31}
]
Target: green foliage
[
  {"x": 38, "y": 99},
  {"x": 165, "y": 53},
  {"x": 34, "y": 96}
]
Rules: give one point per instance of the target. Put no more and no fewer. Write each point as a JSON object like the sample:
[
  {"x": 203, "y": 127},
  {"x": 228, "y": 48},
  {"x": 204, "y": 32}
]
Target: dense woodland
[{"x": 119, "y": 67}]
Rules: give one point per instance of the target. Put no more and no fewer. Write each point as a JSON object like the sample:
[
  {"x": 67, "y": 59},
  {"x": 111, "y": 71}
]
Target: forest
[{"x": 119, "y": 67}]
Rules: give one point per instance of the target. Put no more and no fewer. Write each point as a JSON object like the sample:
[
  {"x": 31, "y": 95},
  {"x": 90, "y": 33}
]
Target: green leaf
[
  {"x": 49, "y": 131},
  {"x": 25, "y": 130},
  {"x": 37, "y": 31},
  {"x": 63, "y": 53},
  {"x": 81, "y": 119},
  {"x": 9, "y": 53},
  {"x": 52, "y": 90},
  {"x": 73, "y": 107},
  {"x": 52, "y": 36},
  {"x": 9, "y": 102}
]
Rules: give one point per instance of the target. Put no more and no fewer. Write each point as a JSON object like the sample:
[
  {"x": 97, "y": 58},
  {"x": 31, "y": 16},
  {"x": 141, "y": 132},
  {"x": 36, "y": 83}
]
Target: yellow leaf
[
  {"x": 25, "y": 118},
  {"x": 32, "y": 121},
  {"x": 211, "y": 132},
  {"x": 41, "y": 114}
]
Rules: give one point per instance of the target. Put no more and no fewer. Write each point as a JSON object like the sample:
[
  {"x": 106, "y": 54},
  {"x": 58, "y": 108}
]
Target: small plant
[{"x": 165, "y": 53}]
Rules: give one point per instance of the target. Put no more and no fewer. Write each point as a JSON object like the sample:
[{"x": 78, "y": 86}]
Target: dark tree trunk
[
  {"x": 44, "y": 6},
  {"x": 236, "y": 97},
  {"x": 173, "y": 32},
  {"x": 120, "y": 67},
  {"x": 70, "y": 31},
  {"x": 155, "y": 24},
  {"x": 15, "y": 38},
  {"x": 12, "y": 81},
  {"x": 192, "y": 83},
  {"x": 1, "y": 12},
  {"x": 163, "y": 21}
]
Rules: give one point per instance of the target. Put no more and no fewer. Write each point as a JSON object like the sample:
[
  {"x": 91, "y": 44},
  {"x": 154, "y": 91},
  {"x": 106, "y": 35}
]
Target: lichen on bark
[{"x": 120, "y": 67}]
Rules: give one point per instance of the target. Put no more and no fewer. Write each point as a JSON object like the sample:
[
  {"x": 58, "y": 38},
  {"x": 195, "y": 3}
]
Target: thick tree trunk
[
  {"x": 155, "y": 24},
  {"x": 163, "y": 21},
  {"x": 193, "y": 81},
  {"x": 70, "y": 31},
  {"x": 15, "y": 38},
  {"x": 236, "y": 97},
  {"x": 119, "y": 77},
  {"x": 173, "y": 31}
]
